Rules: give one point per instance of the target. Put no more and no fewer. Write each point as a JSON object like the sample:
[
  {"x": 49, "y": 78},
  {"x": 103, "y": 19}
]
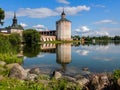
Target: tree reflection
[{"x": 31, "y": 50}]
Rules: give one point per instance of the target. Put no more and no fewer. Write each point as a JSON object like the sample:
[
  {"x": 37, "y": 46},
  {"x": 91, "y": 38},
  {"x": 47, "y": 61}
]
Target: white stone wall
[
  {"x": 20, "y": 32},
  {"x": 17, "y": 31},
  {"x": 47, "y": 38},
  {"x": 64, "y": 31}
]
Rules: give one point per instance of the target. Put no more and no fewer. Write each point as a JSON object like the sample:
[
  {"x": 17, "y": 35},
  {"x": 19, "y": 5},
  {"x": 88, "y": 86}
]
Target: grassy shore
[{"x": 59, "y": 42}]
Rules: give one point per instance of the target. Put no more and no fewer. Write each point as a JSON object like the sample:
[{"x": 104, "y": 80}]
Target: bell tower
[{"x": 14, "y": 20}]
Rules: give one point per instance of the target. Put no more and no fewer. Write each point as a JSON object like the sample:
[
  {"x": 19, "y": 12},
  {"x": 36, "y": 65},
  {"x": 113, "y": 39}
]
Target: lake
[{"x": 71, "y": 58}]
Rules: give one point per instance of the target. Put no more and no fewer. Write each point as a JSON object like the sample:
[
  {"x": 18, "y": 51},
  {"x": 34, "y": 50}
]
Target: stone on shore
[
  {"x": 118, "y": 81},
  {"x": 10, "y": 66},
  {"x": 31, "y": 77},
  {"x": 18, "y": 72},
  {"x": 57, "y": 74},
  {"x": 70, "y": 79},
  {"x": 82, "y": 82},
  {"x": 2, "y": 63},
  {"x": 1, "y": 77},
  {"x": 35, "y": 71}
]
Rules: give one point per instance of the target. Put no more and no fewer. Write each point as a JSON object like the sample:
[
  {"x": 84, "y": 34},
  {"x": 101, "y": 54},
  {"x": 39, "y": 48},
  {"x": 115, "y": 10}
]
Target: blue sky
[{"x": 89, "y": 17}]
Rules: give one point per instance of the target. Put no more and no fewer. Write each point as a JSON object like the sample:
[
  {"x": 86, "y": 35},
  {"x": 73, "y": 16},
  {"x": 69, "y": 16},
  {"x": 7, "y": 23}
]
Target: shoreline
[{"x": 92, "y": 81}]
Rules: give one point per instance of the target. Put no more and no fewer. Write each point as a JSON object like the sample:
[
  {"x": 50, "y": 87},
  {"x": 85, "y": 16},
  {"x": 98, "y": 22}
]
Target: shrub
[
  {"x": 31, "y": 36},
  {"x": 14, "y": 38},
  {"x": 116, "y": 74}
]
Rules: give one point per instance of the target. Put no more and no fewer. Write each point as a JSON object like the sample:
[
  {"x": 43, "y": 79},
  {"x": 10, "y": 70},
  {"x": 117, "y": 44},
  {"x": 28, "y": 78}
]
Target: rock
[
  {"x": 71, "y": 79},
  {"x": 57, "y": 74},
  {"x": 82, "y": 82},
  {"x": 95, "y": 83},
  {"x": 85, "y": 69},
  {"x": 2, "y": 69},
  {"x": 31, "y": 77},
  {"x": 2, "y": 63},
  {"x": 104, "y": 80},
  {"x": 9, "y": 66},
  {"x": 18, "y": 72},
  {"x": 35, "y": 71},
  {"x": 1, "y": 77},
  {"x": 79, "y": 76},
  {"x": 95, "y": 80},
  {"x": 118, "y": 81},
  {"x": 27, "y": 70}
]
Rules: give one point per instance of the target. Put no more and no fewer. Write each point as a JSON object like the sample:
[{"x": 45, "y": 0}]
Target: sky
[{"x": 88, "y": 17}]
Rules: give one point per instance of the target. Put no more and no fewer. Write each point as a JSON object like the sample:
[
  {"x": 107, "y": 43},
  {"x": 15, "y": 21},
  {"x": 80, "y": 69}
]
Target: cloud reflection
[
  {"x": 82, "y": 52},
  {"x": 102, "y": 58}
]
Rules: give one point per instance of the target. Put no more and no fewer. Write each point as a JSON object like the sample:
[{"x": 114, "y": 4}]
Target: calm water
[{"x": 72, "y": 58}]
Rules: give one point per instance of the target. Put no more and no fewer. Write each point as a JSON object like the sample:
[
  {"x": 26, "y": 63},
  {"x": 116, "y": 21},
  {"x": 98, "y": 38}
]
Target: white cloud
[
  {"x": 111, "y": 30},
  {"x": 32, "y": 13},
  {"x": 73, "y": 10},
  {"x": 23, "y": 24},
  {"x": 39, "y": 27},
  {"x": 82, "y": 52},
  {"x": 83, "y": 29},
  {"x": 63, "y": 1},
  {"x": 46, "y": 12},
  {"x": 107, "y": 21}
]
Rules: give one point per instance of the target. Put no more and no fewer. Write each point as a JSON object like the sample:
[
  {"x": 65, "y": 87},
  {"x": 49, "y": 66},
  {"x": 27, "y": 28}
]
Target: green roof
[{"x": 16, "y": 27}]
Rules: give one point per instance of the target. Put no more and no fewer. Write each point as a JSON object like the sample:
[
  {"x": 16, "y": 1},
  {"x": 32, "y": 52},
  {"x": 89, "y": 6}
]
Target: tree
[
  {"x": 14, "y": 38},
  {"x": 2, "y": 16},
  {"x": 31, "y": 36}
]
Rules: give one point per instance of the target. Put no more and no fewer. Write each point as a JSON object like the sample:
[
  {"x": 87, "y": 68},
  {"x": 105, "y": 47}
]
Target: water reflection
[
  {"x": 63, "y": 55},
  {"x": 73, "y": 57},
  {"x": 48, "y": 48},
  {"x": 31, "y": 50}
]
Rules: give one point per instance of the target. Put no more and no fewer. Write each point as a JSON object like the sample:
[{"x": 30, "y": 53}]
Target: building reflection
[
  {"x": 48, "y": 48},
  {"x": 62, "y": 51},
  {"x": 63, "y": 55}
]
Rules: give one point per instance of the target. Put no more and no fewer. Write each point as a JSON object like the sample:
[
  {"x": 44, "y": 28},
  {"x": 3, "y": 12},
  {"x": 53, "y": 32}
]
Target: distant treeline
[{"x": 100, "y": 38}]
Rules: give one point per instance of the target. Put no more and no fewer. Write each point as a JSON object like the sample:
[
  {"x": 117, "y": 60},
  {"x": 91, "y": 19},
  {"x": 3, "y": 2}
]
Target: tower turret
[
  {"x": 63, "y": 15},
  {"x": 14, "y": 20}
]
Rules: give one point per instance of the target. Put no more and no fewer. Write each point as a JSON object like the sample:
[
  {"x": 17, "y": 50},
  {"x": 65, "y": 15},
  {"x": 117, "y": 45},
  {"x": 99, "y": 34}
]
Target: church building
[{"x": 14, "y": 28}]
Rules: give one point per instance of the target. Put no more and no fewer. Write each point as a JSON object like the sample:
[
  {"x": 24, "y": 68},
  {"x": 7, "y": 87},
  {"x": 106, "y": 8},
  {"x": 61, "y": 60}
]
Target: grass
[
  {"x": 16, "y": 84},
  {"x": 9, "y": 58},
  {"x": 58, "y": 42}
]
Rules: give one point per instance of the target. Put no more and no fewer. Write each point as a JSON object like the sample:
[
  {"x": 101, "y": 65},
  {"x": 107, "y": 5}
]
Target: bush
[
  {"x": 14, "y": 38},
  {"x": 31, "y": 36},
  {"x": 5, "y": 45},
  {"x": 116, "y": 74}
]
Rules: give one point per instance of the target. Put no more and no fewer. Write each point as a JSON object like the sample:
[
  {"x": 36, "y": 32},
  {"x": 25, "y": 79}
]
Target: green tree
[
  {"x": 4, "y": 44},
  {"x": 14, "y": 38},
  {"x": 31, "y": 36},
  {"x": 2, "y": 16}
]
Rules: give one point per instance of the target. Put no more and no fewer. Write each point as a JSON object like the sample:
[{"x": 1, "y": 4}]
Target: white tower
[{"x": 63, "y": 27}]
